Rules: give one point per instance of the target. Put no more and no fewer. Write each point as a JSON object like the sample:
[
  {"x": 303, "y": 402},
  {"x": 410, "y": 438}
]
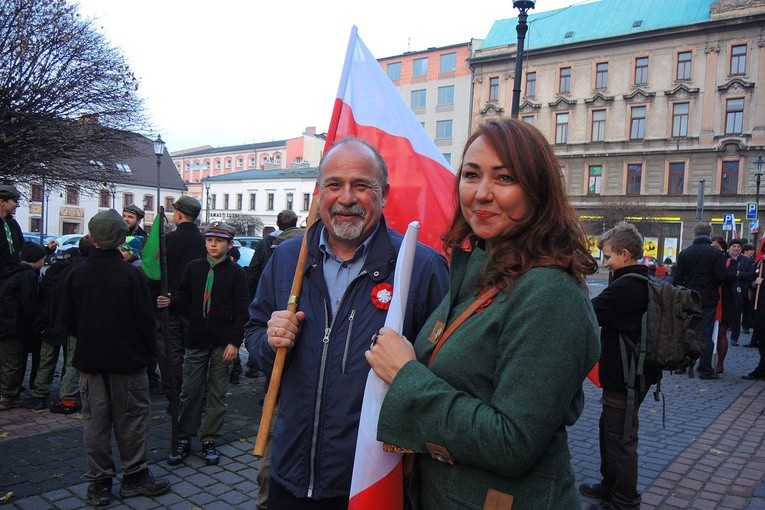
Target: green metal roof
[
  {"x": 277, "y": 173},
  {"x": 598, "y": 20}
]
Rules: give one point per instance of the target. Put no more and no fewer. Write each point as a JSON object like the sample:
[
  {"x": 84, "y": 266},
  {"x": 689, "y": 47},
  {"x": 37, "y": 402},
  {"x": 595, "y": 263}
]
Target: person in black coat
[
  {"x": 184, "y": 244},
  {"x": 744, "y": 279},
  {"x": 619, "y": 309},
  {"x": 701, "y": 267},
  {"x": 108, "y": 307},
  {"x": 19, "y": 302}
]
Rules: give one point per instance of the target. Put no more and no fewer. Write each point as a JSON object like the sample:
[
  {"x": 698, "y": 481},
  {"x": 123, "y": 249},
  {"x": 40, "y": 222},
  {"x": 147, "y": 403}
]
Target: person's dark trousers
[
  {"x": 758, "y": 335},
  {"x": 176, "y": 333},
  {"x": 120, "y": 402},
  {"x": 280, "y": 498},
  {"x": 707, "y": 328},
  {"x": 619, "y": 458},
  {"x": 735, "y": 327},
  {"x": 747, "y": 320}
]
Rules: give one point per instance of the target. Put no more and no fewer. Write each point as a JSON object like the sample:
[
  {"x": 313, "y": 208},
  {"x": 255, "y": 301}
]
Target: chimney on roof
[{"x": 310, "y": 130}]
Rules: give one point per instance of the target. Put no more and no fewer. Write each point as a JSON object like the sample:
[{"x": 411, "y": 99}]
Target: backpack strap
[{"x": 629, "y": 369}]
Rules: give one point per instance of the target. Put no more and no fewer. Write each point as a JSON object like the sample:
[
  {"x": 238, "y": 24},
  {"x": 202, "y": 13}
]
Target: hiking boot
[
  {"x": 143, "y": 484},
  {"x": 754, "y": 376},
  {"x": 182, "y": 450},
  {"x": 211, "y": 454},
  {"x": 708, "y": 375},
  {"x": 595, "y": 491},
  {"x": 7, "y": 403},
  {"x": 36, "y": 403},
  {"x": 100, "y": 492},
  {"x": 66, "y": 406},
  {"x": 234, "y": 377}
]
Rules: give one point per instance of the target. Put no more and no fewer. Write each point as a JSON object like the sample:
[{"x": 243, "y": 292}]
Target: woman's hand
[
  {"x": 389, "y": 352},
  {"x": 283, "y": 328}
]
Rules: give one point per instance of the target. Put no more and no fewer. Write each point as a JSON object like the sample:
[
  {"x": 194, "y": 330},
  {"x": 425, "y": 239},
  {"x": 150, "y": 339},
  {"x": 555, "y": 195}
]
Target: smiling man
[{"x": 351, "y": 261}]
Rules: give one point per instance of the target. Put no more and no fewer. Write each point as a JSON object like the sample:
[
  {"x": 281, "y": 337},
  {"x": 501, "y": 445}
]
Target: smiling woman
[{"x": 490, "y": 388}]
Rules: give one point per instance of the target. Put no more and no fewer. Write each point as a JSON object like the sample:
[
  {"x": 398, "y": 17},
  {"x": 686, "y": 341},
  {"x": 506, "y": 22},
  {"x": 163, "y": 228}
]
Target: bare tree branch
[{"x": 66, "y": 97}]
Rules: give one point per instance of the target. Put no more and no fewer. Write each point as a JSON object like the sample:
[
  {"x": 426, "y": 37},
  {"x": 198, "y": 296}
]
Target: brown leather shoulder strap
[{"x": 481, "y": 300}]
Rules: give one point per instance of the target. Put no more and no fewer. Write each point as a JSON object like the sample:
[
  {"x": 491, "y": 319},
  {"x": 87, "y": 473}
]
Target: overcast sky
[{"x": 230, "y": 72}]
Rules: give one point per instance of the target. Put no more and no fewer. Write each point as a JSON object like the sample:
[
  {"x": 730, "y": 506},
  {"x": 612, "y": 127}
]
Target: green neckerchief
[
  {"x": 8, "y": 237},
  {"x": 207, "y": 299}
]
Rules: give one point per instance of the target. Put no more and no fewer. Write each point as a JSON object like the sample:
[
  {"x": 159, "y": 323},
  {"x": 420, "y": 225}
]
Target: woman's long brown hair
[{"x": 550, "y": 235}]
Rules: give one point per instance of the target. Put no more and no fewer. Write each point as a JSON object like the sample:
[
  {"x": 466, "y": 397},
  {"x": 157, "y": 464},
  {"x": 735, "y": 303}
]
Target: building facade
[
  {"x": 436, "y": 84},
  {"x": 258, "y": 194},
  {"x": 656, "y": 112},
  {"x": 60, "y": 211}
]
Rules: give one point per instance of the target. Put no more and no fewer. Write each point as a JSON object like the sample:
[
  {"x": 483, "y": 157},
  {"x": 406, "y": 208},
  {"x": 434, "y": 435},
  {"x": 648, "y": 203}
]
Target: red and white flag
[
  {"x": 369, "y": 107},
  {"x": 377, "y": 482}
]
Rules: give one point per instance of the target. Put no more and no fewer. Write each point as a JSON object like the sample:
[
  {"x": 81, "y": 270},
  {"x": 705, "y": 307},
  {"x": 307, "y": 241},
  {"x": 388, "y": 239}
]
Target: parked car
[
  {"x": 34, "y": 237},
  {"x": 650, "y": 262},
  {"x": 65, "y": 242},
  {"x": 248, "y": 241},
  {"x": 245, "y": 256}
]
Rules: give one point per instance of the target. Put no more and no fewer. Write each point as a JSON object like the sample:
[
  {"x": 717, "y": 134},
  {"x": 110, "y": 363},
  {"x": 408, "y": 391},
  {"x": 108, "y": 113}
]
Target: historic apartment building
[
  {"x": 645, "y": 102},
  {"x": 436, "y": 83}
]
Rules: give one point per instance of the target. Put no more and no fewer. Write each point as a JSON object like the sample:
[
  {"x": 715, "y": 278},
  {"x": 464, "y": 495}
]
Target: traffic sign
[
  {"x": 751, "y": 211},
  {"x": 728, "y": 221}
]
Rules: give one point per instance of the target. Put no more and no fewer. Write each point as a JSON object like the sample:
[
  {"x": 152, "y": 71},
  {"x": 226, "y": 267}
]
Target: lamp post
[
  {"x": 758, "y": 174},
  {"x": 113, "y": 191},
  {"x": 523, "y": 7},
  {"x": 207, "y": 209},
  {"x": 159, "y": 150}
]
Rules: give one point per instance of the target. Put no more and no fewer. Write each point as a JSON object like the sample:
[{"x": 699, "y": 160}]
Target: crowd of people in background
[{"x": 519, "y": 259}]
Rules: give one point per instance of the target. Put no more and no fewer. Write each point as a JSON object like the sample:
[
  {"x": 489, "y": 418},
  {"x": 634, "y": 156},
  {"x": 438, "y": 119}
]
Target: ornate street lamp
[
  {"x": 207, "y": 209},
  {"x": 523, "y": 7},
  {"x": 159, "y": 150},
  {"x": 758, "y": 174}
]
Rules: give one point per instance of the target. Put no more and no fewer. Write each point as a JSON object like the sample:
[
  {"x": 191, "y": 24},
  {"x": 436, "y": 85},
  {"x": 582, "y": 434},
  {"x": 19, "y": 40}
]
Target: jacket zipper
[
  {"x": 320, "y": 389},
  {"x": 348, "y": 337},
  {"x": 317, "y": 407}
]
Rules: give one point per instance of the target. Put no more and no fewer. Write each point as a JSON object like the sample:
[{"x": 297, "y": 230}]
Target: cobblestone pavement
[{"x": 711, "y": 454}]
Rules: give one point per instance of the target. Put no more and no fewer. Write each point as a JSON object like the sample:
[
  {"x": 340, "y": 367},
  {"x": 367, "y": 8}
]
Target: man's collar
[{"x": 361, "y": 250}]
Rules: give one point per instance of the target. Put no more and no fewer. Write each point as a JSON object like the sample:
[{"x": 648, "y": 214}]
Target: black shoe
[
  {"x": 680, "y": 371},
  {"x": 36, "y": 403},
  {"x": 143, "y": 484},
  {"x": 754, "y": 376},
  {"x": 734, "y": 342},
  {"x": 750, "y": 344},
  {"x": 66, "y": 406},
  {"x": 7, "y": 403},
  {"x": 595, "y": 490},
  {"x": 234, "y": 378},
  {"x": 211, "y": 454},
  {"x": 708, "y": 375},
  {"x": 100, "y": 492},
  {"x": 251, "y": 372},
  {"x": 182, "y": 450}
]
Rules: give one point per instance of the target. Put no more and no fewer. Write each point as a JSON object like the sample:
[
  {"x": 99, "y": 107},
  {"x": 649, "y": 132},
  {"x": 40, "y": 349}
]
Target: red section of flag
[
  {"x": 420, "y": 189},
  {"x": 594, "y": 375},
  {"x": 386, "y": 494}
]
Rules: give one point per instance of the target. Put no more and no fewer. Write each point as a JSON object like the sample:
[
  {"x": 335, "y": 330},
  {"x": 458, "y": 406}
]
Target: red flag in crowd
[{"x": 368, "y": 106}]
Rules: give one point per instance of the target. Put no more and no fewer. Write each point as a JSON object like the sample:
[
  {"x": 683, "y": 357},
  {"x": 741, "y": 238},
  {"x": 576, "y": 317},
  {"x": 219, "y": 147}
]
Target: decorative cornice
[
  {"x": 491, "y": 108},
  {"x": 562, "y": 100},
  {"x": 737, "y": 142},
  {"x": 682, "y": 88},
  {"x": 526, "y": 104},
  {"x": 735, "y": 83},
  {"x": 599, "y": 96},
  {"x": 713, "y": 49},
  {"x": 638, "y": 92}
]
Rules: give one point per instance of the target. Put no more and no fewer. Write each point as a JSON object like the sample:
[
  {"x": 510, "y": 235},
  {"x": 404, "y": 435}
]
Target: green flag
[{"x": 150, "y": 254}]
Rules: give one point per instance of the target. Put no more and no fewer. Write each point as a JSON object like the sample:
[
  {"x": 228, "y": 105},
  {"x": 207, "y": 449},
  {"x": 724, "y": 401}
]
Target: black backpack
[{"x": 670, "y": 337}]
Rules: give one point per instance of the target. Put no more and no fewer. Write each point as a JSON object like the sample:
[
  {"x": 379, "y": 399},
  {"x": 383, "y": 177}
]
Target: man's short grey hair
[
  {"x": 702, "y": 229},
  {"x": 382, "y": 168}
]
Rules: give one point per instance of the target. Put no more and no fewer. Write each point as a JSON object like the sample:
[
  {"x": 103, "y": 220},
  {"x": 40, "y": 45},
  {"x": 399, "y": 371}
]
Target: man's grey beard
[{"x": 347, "y": 230}]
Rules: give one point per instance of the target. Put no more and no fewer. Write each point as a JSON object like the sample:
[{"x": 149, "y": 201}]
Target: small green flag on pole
[{"x": 150, "y": 254}]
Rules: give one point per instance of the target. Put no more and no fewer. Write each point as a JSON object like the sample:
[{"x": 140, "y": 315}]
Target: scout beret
[
  {"x": 8, "y": 192},
  {"x": 108, "y": 229},
  {"x": 220, "y": 229},
  {"x": 189, "y": 206},
  {"x": 32, "y": 252},
  {"x": 132, "y": 208}
]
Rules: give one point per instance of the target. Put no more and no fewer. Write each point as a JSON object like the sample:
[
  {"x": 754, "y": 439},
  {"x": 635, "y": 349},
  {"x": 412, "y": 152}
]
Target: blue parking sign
[{"x": 751, "y": 211}]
